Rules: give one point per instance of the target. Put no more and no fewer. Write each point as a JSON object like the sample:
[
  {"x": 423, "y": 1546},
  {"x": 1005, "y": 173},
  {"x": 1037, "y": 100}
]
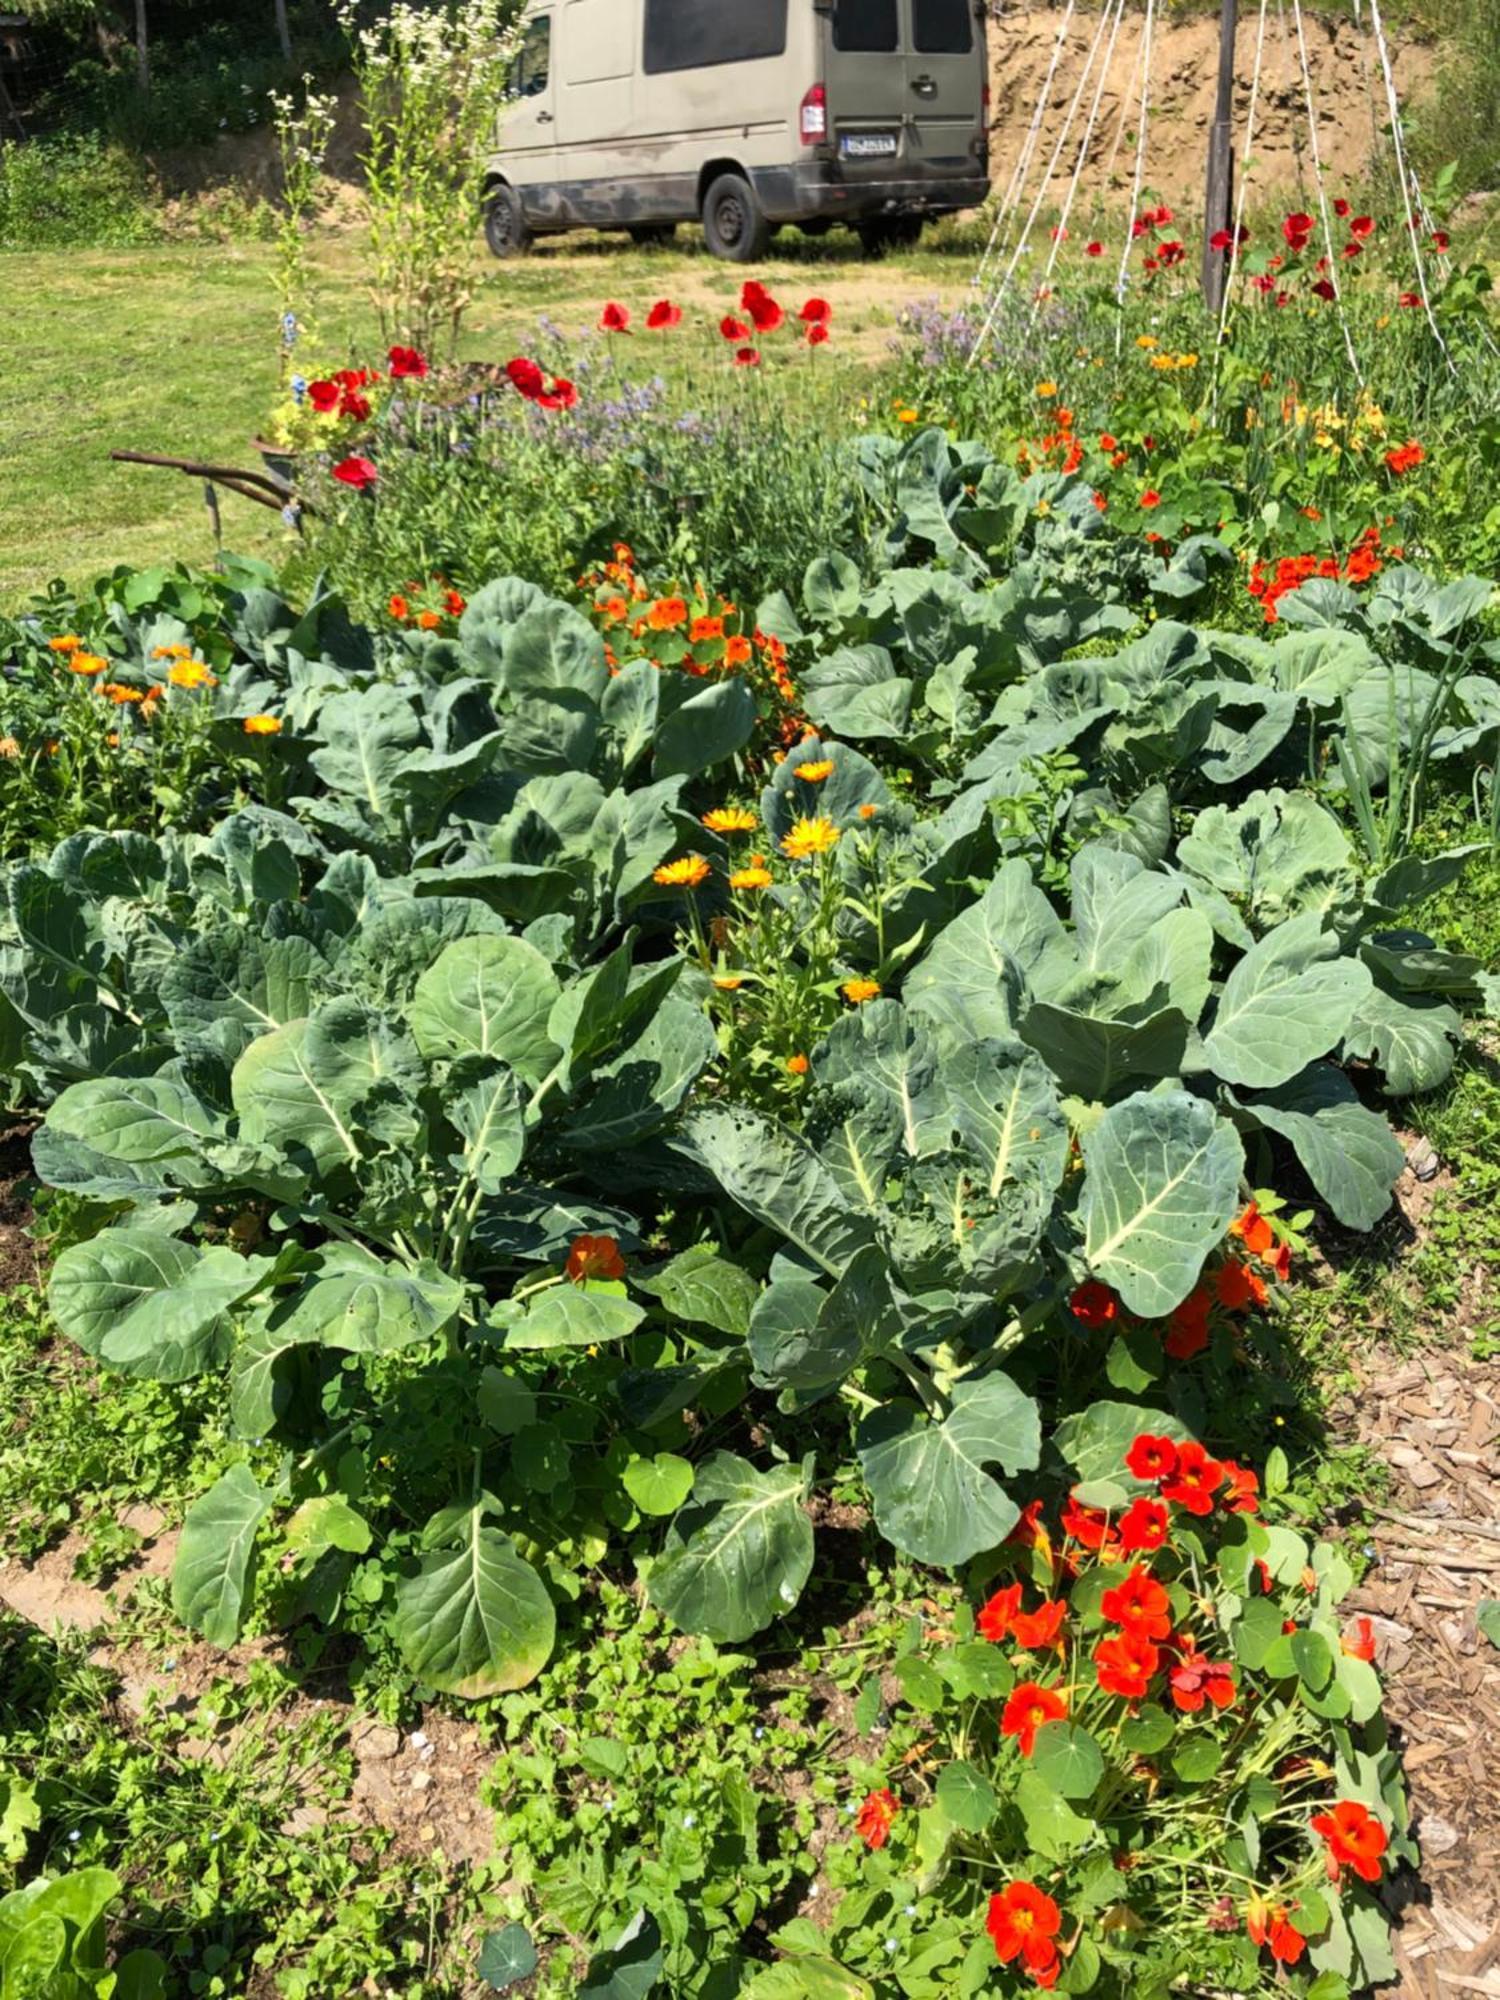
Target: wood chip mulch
[{"x": 1435, "y": 1419}]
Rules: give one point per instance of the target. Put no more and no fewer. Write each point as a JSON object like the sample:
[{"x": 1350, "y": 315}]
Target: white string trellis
[
  {"x": 1061, "y": 230},
  {"x": 1239, "y": 200},
  {"x": 1126, "y": 96},
  {"x": 1003, "y": 286},
  {"x": 1122, "y": 276},
  {"x": 1394, "y": 107},
  {"x": 1012, "y": 197},
  {"x": 1322, "y": 186}
]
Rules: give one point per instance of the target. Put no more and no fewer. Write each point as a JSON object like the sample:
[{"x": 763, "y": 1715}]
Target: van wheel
[
  {"x": 505, "y": 228},
  {"x": 891, "y": 232},
  {"x": 652, "y": 235},
  {"x": 734, "y": 223}
]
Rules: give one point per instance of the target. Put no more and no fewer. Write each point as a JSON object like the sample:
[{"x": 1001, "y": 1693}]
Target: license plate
[{"x": 868, "y": 145}]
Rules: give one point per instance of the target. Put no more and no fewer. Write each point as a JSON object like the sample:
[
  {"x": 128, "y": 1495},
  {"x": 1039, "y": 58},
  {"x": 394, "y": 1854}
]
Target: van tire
[
  {"x": 505, "y": 226},
  {"x": 734, "y": 223},
  {"x": 891, "y": 232}
]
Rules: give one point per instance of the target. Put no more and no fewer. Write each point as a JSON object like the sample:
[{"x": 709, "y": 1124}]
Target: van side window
[
  {"x": 866, "y": 25},
  {"x": 528, "y": 73},
  {"x": 942, "y": 27},
  {"x": 693, "y": 34}
]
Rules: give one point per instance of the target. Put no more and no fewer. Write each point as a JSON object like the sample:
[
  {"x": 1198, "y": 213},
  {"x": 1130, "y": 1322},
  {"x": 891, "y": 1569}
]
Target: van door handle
[
  {"x": 544, "y": 118},
  {"x": 924, "y": 86}
]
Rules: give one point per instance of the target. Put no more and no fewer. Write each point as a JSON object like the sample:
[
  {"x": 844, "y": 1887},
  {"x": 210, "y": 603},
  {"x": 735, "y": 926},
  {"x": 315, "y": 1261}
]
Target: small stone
[
  {"x": 378, "y": 1743},
  {"x": 421, "y": 1780},
  {"x": 1423, "y": 1161},
  {"x": 1437, "y": 1836}
]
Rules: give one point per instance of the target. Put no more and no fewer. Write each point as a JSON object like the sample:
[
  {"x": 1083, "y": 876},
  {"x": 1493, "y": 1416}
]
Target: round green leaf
[
  {"x": 488, "y": 996},
  {"x": 1067, "y": 1758},
  {"x": 1196, "y": 1758},
  {"x": 658, "y": 1485},
  {"x": 507, "y": 1957},
  {"x": 967, "y": 1797}
]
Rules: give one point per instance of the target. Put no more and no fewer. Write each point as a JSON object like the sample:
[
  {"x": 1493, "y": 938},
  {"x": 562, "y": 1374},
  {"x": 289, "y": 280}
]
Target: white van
[{"x": 741, "y": 114}]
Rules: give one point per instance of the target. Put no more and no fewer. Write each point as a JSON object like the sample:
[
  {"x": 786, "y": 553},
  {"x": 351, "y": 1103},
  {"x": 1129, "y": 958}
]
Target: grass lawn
[{"x": 171, "y": 348}]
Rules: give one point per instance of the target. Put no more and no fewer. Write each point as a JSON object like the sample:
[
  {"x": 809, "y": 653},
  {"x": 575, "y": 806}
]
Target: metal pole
[{"x": 1219, "y": 204}]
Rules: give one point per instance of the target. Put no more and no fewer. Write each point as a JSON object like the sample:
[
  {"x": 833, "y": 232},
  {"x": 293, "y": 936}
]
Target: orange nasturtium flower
[
  {"x": 857, "y": 991},
  {"x": 190, "y": 674},
  {"x": 86, "y": 663},
  {"x": 868, "y": 812},
  {"x": 400, "y": 608},
  {"x": 594, "y": 1257},
  {"x": 810, "y": 836},
  {"x": 1268, "y": 1924},
  {"x": 873, "y": 1820},
  {"x": 737, "y": 651},
  {"x": 729, "y": 982},
  {"x": 704, "y": 629},
  {"x": 666, "y": 614},
  {"x": 1022, "y": 1922},
  {"x": 262, "y": 725},
  {"x": 731, "y": 819},
  {"x": 685, "y": 873},
  {"x": 1354, "y": 1838},
  {"x": 1029, "y": 1707},
  {"x": 816, "y": 772}
]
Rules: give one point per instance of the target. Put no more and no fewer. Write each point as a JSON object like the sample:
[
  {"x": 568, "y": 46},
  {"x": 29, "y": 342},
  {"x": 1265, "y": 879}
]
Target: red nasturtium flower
[
  {"x": 594, "y": 1257},
  {"x": 1022, "y": 1922},
  {"x": 1268, "y": 1924},
  {"x": 1242, "y": 1488},
  {"x": 1028, "y": 1708},
  {"x": 399, "y": 608},
  {"x": 1093, "y": 249},
  {"x": 1355, "y": 1839},
  {"x": 1187, "y": 1326},
  {"x": 1088, "y": 1526},
  {"x": 994, "y": 1617},
  {"x": 1035, "y": 1630},
  {"x": 1124, "y": 1666},
  {"x": 1150, "y": 498},
  {"x": 1239, "y": 1287},
  {"x": 1143, "y": 1526},
  {"x": 1151, "y": 1457},
  {"x": 1405, "y": 458},
  {"x": 1362, "y": 1645},
  {"x": 1297, "y": 230},
  {"x": 1094, "y": 1304},
  {"x": 1196, "y": 1480},
  {"x": 356, "y": 472},
  {"x": 873, "y": 1820},
  {"x": 1194, "y": 1679},
  {"x": 1253, "y": 1231},
  {"x": 1139, "y": 1605},
  {"x": 662, "y": 316}
]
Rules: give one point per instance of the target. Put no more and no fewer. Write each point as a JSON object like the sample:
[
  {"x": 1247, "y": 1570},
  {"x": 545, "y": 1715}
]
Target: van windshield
[
  {"x": 866, "y": 25},
  {"x": 942, "y": 27}
]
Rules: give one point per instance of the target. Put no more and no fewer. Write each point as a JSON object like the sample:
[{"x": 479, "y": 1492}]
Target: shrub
[{"x": 71, "y": 191}]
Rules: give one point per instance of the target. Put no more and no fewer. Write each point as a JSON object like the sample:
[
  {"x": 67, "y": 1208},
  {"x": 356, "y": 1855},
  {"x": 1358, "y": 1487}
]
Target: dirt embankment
[{"x": 1348, "y": 96}]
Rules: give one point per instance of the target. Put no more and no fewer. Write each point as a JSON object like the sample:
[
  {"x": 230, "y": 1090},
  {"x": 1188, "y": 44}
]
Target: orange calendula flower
[
  {"x": 731, "y": 819},
  {"x": 171, "y": 652},
  {"x": 66, "y": 642},
  {"x": 121, "y": 695},
  {"x": 874, "y": 1819},
  {"x": 797, "y": 1065},
  {"x": 190, "y": 674},
  {"x": 857, "y": 991},
  {"x": 1029, "y": 1707},
  {"x": 262, "y": 725},
  {"x": 753, "y": 877},
  {"x": 729, "y": 982},
  {"x": 685, "y": 873},
  {"x": 594, "y": 1257},
  {"x": 868, "y": 812},
  {"x": 816, "y": 772},
  {"x": 87, "y": 664},
  {"x": 810, "y": 836}
]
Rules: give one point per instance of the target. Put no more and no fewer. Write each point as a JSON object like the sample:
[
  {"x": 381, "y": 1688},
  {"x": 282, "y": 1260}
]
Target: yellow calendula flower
[
  {"x": 816, "y": 772},
  {"x": 171, "y": 652},
  {"x": 857, "y": 991},
  {"x": 906, "y": 416},
  {"x": 729, "y": 982},
  {"x": 685, "y": 873},
  {"x": 731, "y": 819},
  {"x": 190, "y": 674},
  {"x": 1146, "y": 341},
  {"x": 1046, "y": 389},
  {"x": 9, "y": 748},
  {"x": 810, "y": 836},
  {"x": 67, "y": 642},
  {"x": 753, "y": 877},
  {"x": 262, "y": 725},
  {"x": 86, "y": 663}
]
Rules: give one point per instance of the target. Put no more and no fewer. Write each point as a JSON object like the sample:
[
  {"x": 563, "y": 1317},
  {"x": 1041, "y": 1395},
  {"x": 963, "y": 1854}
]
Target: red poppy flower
[
  {"x": 563, "y": 395},
  {"x": 1094, "y": 1304},
  {"x": 816, "y": 312},
  {"x": 1035, "y": 1630},
  {"x": 1139, "y": 226},
  {"x": 733, "y": 329},
  {"x": 1350, "y": 249},
  {"x": 663, "y": 315},
  {"x": 1197, "y": 1478},
  {"x": 1268, "y": 1924},
  {"x": 1362, "y": 1645},
  {"x": 1297, "y": 230},
  {"x": 1086, "y": 1525},
  {"x": 1124, "y": 1666},
  {"x": 1242, "y": 1488},
  {"x": 1151, "y": 1457},
  {"x": 356, "y": 472},
  {"x": 1030, "y": 1706},
  {"x": 1341, "y": 207},
  {"x": 1150, "y": 498},
  {"x": 994, "y": 1617},
  {"x": 614, "y": 319},
  {"x": 1022, "y": 1922},
  {"x": 1325, "y": 289},
  {"x": 594, "y": 1257},
  {"x": 1195, "y": 1679},
  {"x": 1187, "y": 1326},
  {"x": 765, "y": 314},
  {"x": 1093, "y": 249},
  {"x": 407, "y": 364},
  {"x": 1362, "y": 226},
  {"x": 352, "y": 404},
  {"x": 1139, "y": 1605},
  {"x": 526, "y": 378},
  {"x": 1409, "y": 299},
  {"x": 873, "y": 1820},
  {"x": 817, "y": 335},
  {"x": 1143, "y": 1526},
  {"x": 1238, "y": 1286},
  {"x": 323, "y": 396},
  {"x": 1405, "y": 458},
  {"x": 1170, "y": 254},
  {"x": 1440, "y": 240},
  {"x": 1355, "y": 1839},
  {"x": 747, "y": 357}
]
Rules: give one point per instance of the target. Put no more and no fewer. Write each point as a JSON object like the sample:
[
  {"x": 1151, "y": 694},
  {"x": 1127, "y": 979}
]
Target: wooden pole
[
  {"x": 142, "y": 47},
  {"x": 1219, "y": 204},
  {"x": 283, "y": 30}
]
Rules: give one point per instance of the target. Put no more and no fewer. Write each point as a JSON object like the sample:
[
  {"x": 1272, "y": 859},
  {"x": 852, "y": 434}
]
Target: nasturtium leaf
[
  {"x": 658, "y": 1485},
  {"x": 1289, "y": 1000},
  {"x": 1257, "y": 1630},
  {"x": 1488, "y": 1616},
  {"x": 921, "y": 1684},
  {"x": 211, "y": 1575},
  {"x": 487, "y": 996},
  {"x": 149, "y": 1305},
  {"x": 967, "y": 1796},
  {"x": 1053, "y": 1829},
  {"x": 1150, "y": 1729},
  {"x": 475, "y": 1619},
  {"x": 739, "y": 1553},
  {"x": 1196, "y": 1757},
  {"x": 505, "y": 1402},
  {"x": 569, "y": 1315},
  {"x": 631, "y": 1967},
  {"x": 1361, "y": 1684},
  {"x": 507, "y": 1957},
  {"x": 1304, "y": 1654},
  {"x": 705, "y": 1289},
  {"x": 1068, "y": 1758},
  {"x": 933, "y": 1497},
  {"x": 1162, "y": 1186}
]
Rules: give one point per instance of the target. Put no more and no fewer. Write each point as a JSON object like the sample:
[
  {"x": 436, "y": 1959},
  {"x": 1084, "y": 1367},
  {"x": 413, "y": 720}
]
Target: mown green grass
[{"x": 172, "y": 348}]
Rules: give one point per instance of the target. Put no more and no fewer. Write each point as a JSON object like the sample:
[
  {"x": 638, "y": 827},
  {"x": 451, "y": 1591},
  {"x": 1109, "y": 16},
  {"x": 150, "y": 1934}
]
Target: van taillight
[
  {"x": 814, "y": 118},
  {"x": 984, "y": 100}
]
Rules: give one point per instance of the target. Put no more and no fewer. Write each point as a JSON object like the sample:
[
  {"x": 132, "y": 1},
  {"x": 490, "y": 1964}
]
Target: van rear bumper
[{"x": 808, "y": 192}]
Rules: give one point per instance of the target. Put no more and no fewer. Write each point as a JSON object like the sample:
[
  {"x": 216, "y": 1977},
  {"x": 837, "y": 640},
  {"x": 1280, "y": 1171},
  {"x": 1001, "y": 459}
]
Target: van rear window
[
  {"x": 942, "y": 27},
  {"x": 866, "y": 24},
  {"x": 694, "y": 34}
]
